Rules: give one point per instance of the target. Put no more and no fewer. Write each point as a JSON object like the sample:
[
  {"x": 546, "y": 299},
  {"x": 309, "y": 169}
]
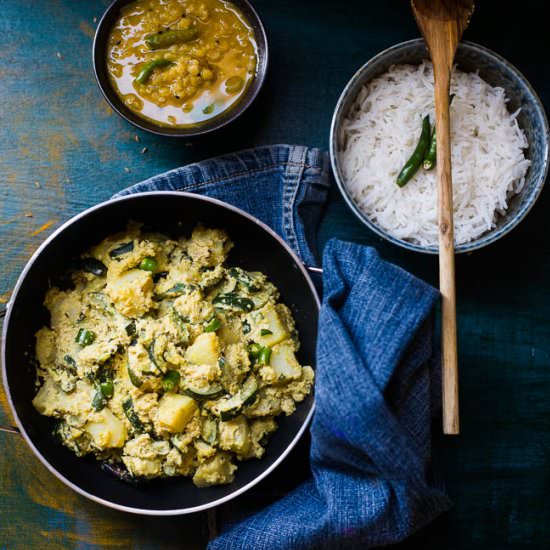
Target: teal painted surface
[{"x": 62, "y": 150}]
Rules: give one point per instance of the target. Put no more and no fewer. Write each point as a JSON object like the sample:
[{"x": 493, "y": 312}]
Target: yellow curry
[
  {"x": 181, "y": 62},
  {"x": 165, "y": 360}
]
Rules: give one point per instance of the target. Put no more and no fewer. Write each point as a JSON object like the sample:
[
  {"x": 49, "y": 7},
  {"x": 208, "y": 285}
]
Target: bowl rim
[
  {"x": 9, "y": 312},
  {"x": 485, "y": 238},
  {"x": 180, "y": 131}
]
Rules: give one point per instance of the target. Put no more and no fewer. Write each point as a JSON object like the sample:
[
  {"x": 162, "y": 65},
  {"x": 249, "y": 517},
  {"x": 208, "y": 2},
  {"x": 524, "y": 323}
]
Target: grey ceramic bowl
[
  {"x": 100, "y": 69},
  {"x": 496, "y": 71}
]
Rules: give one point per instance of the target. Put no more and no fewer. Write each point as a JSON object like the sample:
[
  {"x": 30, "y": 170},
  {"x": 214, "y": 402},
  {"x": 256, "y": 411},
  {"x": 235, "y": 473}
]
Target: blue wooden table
[{"x": 63, "y": 150}]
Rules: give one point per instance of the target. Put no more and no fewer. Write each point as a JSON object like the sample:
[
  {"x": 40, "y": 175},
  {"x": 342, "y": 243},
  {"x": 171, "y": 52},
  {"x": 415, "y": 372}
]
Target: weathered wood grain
[{"x": 63, "y": 150}]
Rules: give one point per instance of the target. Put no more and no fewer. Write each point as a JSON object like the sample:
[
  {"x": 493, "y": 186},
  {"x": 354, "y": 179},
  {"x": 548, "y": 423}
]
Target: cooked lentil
[{"x": 181, "y": 62}]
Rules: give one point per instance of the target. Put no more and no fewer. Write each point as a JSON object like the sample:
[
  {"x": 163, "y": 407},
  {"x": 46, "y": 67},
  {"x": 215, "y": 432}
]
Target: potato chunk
[
  {"x": 268, "y": 321},
  {"x": 132, "y": 292},
  {"x": 51, "y": 400},
  {"x": 215, "y": 471},
  {"x": 234, "y": 435},
  {"x": 107, "y": 430},
  {"x": 284, "y": 363},
  {"x": 205, "y": 349},
  {"x": 175, "y": 411}
]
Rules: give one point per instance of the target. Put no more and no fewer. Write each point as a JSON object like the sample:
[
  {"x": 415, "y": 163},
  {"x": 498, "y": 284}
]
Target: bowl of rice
[{"x": 499, "y": 142}]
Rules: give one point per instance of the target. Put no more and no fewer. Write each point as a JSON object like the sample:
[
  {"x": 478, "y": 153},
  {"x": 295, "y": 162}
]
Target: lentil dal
[{"x": 181, "y": 62}]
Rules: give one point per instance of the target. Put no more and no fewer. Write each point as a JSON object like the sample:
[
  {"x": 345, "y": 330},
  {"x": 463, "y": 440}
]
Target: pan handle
[
  {"x": 7, "y": 429},
  {"x": 10, "y": 429},
  {"x": 311, "y": 269}
]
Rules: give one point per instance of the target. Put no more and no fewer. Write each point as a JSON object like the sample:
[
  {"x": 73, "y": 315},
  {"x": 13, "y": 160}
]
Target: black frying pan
[{"x": 173, "y": 213}]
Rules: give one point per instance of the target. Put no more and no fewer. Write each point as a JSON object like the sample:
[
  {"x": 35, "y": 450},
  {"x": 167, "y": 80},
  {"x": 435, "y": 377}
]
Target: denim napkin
[{"x": 371, "y": 480}]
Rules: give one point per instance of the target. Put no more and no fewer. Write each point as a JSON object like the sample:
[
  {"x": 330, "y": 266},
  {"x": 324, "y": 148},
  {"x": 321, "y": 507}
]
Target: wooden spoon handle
[{"x": 446, "y": 254}]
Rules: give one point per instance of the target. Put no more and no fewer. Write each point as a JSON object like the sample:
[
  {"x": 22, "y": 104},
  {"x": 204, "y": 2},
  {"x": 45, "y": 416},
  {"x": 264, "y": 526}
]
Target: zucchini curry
[{"x": 162, "y": 358}]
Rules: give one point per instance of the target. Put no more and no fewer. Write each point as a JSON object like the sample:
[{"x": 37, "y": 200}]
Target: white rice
[{"x": 382, "y": 130}]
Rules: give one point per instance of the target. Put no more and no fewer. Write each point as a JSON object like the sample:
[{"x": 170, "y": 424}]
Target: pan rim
[{"x": 9, "y": 311}]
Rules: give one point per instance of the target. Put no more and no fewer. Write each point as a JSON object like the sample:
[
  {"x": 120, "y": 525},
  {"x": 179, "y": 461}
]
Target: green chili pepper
[
  {"x": 260, "y": 354},
  {"x": 265, "y": 332},
  {"x": 85, "y": 337},
  {"x": 213, "y": 325},
  {"x": 149, "y": 264},
  {"x": 414, "y": 162},
  {"x": 149, "y": 67},
  {"x": 209, "y": 109},
  {"x": 165, "y": 39},
  {"x": 171, "y": 380},
  {"x": 430, "y": 158},
  {"x": 107, "y": 389},
  {"x": 233, "y": 302},
  {"x": 254, "y": 350},
  {"x": 265, "y": 356}
]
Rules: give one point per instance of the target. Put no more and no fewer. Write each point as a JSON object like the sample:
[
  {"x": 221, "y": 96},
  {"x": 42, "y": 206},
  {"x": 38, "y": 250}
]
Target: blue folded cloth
[{"x": 371, "y": 481}]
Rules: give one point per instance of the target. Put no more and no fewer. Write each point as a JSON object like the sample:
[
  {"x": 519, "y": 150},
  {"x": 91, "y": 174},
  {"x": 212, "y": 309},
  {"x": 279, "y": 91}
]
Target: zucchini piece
[
  {"x": 181, "y": 323},
  {"x": 242, "y": 277},
  {"x": 70, "y": 363},
  {"x": 98, "y": 400},
  {"x": 209, "y": 430},
  {"x": 159, "y": 275},
  {"x": 122, "y": 249},
  {"x": 249, "y": 391},
  {"x": 226, "y": 374},
  {"x": 130, "y": 328},
  {"x": 245, "y": 396},
  {"x": 132, "y": 416},
  {"x": 153, "y": 357},
  {"x": 136, "y": 381},
  {"x": 177, "y": 290},
  {"x": 210, "y": 392},
  {"x": 232, "y": 302},
  {"x": 93, "y": 266}
]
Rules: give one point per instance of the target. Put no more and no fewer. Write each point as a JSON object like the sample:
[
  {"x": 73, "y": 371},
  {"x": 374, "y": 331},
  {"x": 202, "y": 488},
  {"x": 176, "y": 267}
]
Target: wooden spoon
[{"x": 442, "y": 23}]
